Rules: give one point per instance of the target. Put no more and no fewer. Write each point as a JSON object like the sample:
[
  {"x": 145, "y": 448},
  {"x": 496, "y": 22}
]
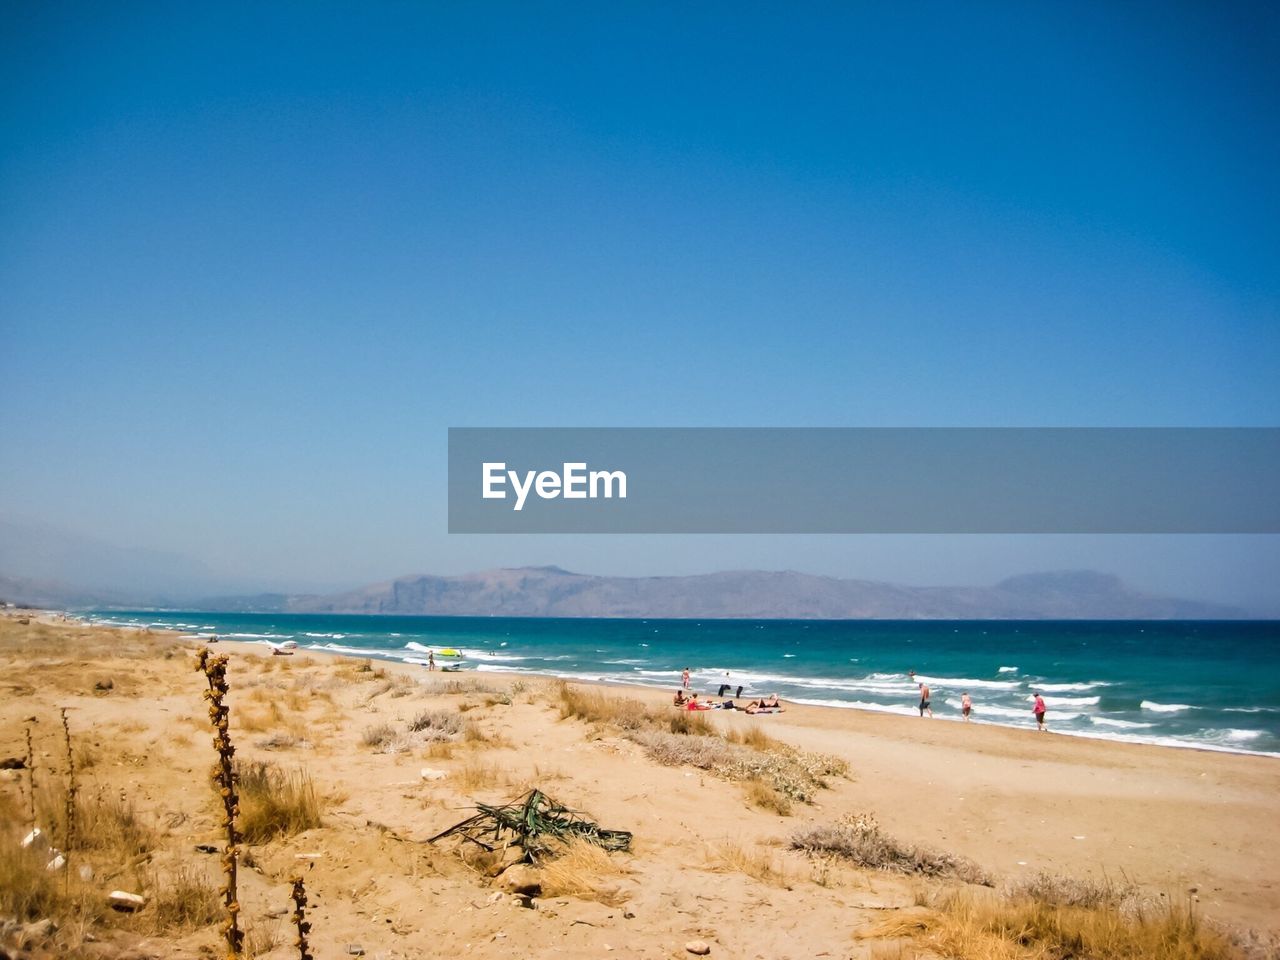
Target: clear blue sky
[{"x": 255, "y": 259}]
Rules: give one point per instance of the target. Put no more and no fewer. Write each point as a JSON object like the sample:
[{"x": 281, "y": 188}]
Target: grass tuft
[
  {"x": 585, "y": 871},
  {"x": 276, "y": 803}
]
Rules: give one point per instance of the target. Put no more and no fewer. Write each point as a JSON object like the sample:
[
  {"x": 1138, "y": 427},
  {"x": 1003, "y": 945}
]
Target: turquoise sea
[{"x": 1212, "y": 685}]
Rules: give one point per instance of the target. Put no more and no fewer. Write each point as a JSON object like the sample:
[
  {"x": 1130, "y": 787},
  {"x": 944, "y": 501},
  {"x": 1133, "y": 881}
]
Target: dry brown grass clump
[
  {"x": 276, "y": 803},
  {"x": 860, "y": 840},
  {"x": 585, "y": 871},
  {"x": 27, "y": 890},
  {"x": 475, "y": 775},
  {"x": 758, "y": 862},
  {"x": 378, "y": 736},
  {"x": 437, "y": 725},
  {"x": 762, "y": 795},
  {"x": 184, "y": 900},
  {"x": 1023, "y": 927}
]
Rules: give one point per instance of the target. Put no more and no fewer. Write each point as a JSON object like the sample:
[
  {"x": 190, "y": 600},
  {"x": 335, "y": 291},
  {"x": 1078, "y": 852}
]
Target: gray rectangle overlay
[{"x": 869, "y": 480}]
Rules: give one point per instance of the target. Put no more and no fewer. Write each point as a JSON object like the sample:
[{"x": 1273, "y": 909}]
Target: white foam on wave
[
  {"x": 1069, "y": 687},
  {"x": 961, "y": 683},
  {"x": 1120, "y": 724},
  {"x": 1007, "y": 670},
  {"x": 1236, "y": 734},
  {"x": 1071, "y": 701},
  {"x": 1165, "y": 707}
]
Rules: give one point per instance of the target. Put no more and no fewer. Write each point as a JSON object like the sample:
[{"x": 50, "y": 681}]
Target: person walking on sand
[
  {"x": 431, "y": 659},
  {"x": 966, "y": 706},
  {"x": 1038, "y": 710},
  {"x": 924, "y": 700},
  {"x": 684, "y": 678}
]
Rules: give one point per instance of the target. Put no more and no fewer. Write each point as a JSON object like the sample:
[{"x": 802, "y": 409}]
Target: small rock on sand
[
  {"x": 521, "y": 879},
  {"x": 104, "y": 684},
  {"x": 699, "y": 948},
  {"x": 123, "y": 900}
]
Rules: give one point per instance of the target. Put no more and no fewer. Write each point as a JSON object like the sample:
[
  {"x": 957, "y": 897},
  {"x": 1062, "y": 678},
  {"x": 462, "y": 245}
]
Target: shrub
[
  {"x": 185, "y": 900},
  {"x": 275, "y": 803},
  {"x": 860, "y": 840},
  {"x": 378, "y": 735},
  {"x": 437, "y": 724}
]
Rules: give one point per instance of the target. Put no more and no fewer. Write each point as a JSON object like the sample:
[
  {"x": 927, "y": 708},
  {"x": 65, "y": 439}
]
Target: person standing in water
[
  {"x": 966, "y": 706},
  {"x": 924, "y": 700},
  {"x": 1038, "y": 710}
]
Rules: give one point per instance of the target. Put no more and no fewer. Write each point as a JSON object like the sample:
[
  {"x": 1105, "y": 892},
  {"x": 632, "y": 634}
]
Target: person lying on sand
[{"x": 694, "y": 704}]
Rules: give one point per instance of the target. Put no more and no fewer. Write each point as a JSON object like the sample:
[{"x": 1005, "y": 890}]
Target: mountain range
[{"x": 748, "y": 594}]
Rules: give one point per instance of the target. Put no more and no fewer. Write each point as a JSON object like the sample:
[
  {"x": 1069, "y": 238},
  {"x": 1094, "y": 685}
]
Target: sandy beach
[{"x": 710, "y": 860}]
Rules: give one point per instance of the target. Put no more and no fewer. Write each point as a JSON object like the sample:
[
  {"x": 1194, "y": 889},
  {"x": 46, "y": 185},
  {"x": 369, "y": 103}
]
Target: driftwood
[{"x": 535, "y": 823}]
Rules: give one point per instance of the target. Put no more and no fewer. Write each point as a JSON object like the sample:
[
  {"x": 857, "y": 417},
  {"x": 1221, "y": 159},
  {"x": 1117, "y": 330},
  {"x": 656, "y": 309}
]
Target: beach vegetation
[
  {"x": 184, "y": 899},
  {"x": 437, "y": 725},
  {"x": 275, "y": 802},
  {"x": 1019, "y": 925},
  {"x": 859, "y": 839},
  {"x": 477, "y": 775},
  {"x": 759, "y": 863},
  {"x": 765, "y": 797},
  {"x": 378, "y": 735},
  {"x": 685, "y": 738},
  {"x": 585, "y": 871}
]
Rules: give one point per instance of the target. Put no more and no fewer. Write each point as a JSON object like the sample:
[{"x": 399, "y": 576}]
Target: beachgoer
[
  {"x": 1038, "y": 710},
  {"x": 924, "y": 700},
  {"x": 431, "y": 659},
  {"x": 966, "y": 706},
  {"x": 693, "y": 704},
  {"x": 680, "y": 699},
  {"x": 684, "y": 678}
]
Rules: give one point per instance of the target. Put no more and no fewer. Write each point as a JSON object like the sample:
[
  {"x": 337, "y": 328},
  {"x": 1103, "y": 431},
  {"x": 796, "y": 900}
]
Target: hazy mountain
[
  {"x": 82, "y": 568},
  {"x": 755, "y": 594}
]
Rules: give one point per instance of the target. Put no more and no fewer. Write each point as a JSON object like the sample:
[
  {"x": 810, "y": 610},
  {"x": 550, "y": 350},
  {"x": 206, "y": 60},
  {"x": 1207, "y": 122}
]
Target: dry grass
[
  {"x": 27, "y": 890},
  {"x": 762, "y": 795},
  {"x": 184, "y": 900},
  {"x": 760, "y": 863},
  {"x": 755, "y": 738},
  {"x": 1023, "y": 927},
  {"x": 860, "y": 840},
  {"x": 475, "y": 775},
  {"x": 585, "y": 871},
  {"x": 261, "y": 938},
  {"x": 276, "y": 803},
  {"x": 378, "y": 736},
  {"x": 437, "y": 725},
  {"x": 685, "y": 738}
]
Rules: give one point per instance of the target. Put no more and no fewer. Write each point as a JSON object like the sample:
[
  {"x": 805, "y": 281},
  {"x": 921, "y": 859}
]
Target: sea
[{"x": 1211, "y": 685}]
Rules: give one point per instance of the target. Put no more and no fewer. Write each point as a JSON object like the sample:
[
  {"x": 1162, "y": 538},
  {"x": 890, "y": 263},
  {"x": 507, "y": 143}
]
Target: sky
[{"x": 256, "y": 259}]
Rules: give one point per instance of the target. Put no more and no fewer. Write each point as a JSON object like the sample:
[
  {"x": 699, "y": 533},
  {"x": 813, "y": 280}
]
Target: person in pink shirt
[{"x": 1038, "y": 710}]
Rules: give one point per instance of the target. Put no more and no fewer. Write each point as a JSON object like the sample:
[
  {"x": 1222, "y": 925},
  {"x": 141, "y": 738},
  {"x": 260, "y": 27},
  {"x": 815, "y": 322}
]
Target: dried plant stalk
[
  {"x": 300, "y": 920},
  {"x": 31, "y": 781},
  {"x": 69, "y": 841},
  {"x": 224, "y": 776}
]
